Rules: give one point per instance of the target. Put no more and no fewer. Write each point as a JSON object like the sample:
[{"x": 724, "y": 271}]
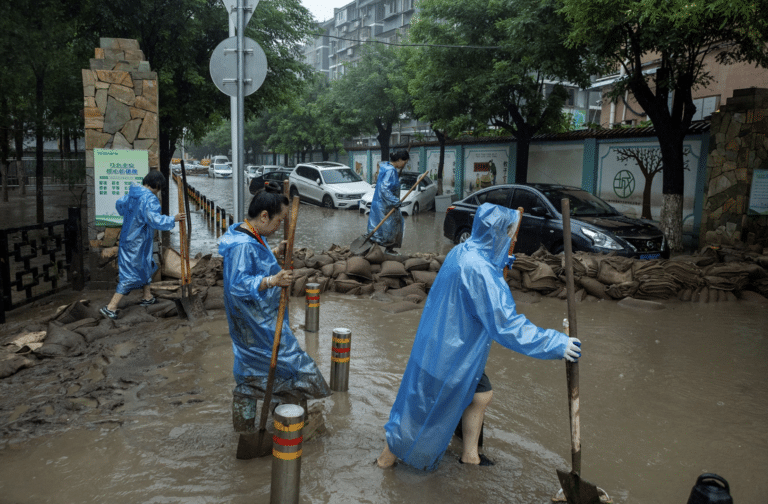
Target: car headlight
[
  {"x": 339, "y": 196},
  {"x": 601, "y": 240}
]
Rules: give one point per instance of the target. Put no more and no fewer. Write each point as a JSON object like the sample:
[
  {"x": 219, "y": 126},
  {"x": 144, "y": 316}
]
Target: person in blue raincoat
[
  {"x": 252, "y": 281},
  {"x": 142, "y": 215},
  {"x": 468, "y": 307},
  {"x": 385, "y": 198}
]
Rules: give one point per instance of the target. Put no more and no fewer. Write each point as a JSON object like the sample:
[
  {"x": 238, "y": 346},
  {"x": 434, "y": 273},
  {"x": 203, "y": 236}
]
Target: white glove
[{"x": 572, "y": 350}]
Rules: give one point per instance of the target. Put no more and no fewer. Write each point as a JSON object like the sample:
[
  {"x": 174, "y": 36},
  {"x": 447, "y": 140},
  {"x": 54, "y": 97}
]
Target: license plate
[{"x": 651, "y": 256}]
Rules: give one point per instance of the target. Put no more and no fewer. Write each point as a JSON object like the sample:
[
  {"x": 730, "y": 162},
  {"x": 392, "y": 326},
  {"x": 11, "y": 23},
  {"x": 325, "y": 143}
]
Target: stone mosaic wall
[
  {"x": 738, "y": 146},
  {"x": 120, "y": 107}
]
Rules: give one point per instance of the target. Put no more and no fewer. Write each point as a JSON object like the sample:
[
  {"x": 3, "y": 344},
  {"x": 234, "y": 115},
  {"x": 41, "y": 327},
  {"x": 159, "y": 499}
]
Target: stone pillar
[
  {"x": 120, "y": 110},
  {"x": 120, "y": 107},
  {"x": 738, "y": 145}
]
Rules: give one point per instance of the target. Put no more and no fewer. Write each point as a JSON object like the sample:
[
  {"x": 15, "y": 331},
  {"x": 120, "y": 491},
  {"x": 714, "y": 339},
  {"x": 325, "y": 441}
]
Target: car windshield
[
  {"x": 340, "y": 176},
  {"x": 582, "y": 203},
  {"x": 407, "y": 181}
]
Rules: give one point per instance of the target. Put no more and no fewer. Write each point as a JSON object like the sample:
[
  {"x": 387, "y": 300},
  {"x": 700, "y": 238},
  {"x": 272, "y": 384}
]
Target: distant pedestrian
[
  {"x": 385, "y": 198},
  {"x": 142, "y": 215}
]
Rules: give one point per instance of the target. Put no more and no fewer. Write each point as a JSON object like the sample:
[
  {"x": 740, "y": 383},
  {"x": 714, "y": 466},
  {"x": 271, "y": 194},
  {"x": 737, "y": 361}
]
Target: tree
[
  {"x": 649, "y": 162},
  {"x": 177, "y": 38},
  {"x": 489, "y": 62},
  {"x": 372, "y": 96},
  {"x": 680, "y": 35}
]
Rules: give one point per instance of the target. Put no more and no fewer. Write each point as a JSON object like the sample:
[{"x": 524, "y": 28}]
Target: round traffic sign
[{"x": 223, "y": 66}]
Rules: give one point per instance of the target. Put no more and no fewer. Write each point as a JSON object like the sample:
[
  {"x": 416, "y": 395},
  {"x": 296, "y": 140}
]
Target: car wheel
[
  {"x": 294, "y": 192},
  {"x": 462, "y": 235},
  {"x": 415, "y": 208},
  {"x": 327, "y": 201}
]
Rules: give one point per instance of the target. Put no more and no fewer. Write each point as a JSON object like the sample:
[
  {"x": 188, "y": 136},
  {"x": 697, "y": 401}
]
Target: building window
[{"x": 705, "y": 107}]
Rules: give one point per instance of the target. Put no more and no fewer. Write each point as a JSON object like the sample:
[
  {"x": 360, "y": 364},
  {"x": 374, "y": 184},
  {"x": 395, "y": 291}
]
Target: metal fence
[
  {"x": 56, "y": 171},
  {"x": 39, "y": 260}
]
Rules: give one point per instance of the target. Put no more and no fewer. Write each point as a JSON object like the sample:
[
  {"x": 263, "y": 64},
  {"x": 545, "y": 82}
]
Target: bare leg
[
  {"x": 471, "y": 422},
  {"x": 112, "y": 306},
  {"x": 147, "y": 292},
  {"x": 386, "y": 459}
]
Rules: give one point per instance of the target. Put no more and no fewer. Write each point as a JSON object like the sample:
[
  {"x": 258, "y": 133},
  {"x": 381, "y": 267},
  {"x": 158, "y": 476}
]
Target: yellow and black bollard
[
  {"x": 340, "y": 350},
  {"x": 286, "y": 453},
  {"x": 312, "y": 313}
]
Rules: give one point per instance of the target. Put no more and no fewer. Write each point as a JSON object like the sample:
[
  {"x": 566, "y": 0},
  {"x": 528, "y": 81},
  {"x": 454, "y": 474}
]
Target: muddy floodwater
[{"x": 144, "y": 416}]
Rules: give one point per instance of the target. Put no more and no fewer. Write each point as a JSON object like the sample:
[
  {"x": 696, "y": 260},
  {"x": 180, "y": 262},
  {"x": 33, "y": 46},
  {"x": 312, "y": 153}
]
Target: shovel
[
  {"x": 574, "y": 489},
  {"x": 189, "y": 305},
  {"x": 259, "y": 444},
  {"x": 362, "y": 245}
]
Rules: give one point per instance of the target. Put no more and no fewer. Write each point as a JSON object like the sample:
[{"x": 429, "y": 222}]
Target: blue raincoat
[
  {"x": 386, "y": 195},
  {"x": 252, "y": 316},
  {"x": 469, "y": 306},
  {"x": 141, "y": 213}
]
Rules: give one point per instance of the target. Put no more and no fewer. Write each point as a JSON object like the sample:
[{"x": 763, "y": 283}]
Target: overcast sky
[{"x": 323, "y": 9}]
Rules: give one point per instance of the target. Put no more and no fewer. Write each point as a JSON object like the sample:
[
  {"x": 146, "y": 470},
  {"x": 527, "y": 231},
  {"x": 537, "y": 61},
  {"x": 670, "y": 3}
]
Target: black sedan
[
  {"x": 278, "y": 175},
  {"x": 595, "y": 225}
]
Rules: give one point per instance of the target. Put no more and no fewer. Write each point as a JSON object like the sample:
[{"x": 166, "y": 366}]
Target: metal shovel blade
[
  {"x": 184, "y": 309},
  {"x": 361, "y": 245},
  {"x": 577, "y": 490},
  {"x": 258, "y": 444}
]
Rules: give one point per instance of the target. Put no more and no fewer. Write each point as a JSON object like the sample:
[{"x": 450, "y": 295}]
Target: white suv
[{"x": 332, "y": 185}]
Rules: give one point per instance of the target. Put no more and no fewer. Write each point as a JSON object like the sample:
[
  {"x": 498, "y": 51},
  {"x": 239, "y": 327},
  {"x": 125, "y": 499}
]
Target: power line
[{"x": 376, "y": 41}]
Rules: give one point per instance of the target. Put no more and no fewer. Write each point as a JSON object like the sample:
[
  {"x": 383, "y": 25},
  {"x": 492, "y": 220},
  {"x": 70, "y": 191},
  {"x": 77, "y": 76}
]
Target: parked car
[
  {"x": 258, "y": 183},
  {"x": 422, "y": 198},
  {"x": 595, "y": 225},
  {"x": 251, "y": 172},
  {"x": 332, "y": 185},
  {"x": 220, "y": 167}
]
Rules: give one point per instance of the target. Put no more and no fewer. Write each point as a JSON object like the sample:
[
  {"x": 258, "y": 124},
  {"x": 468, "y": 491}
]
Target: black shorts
[{"x": 484, "y": 385}]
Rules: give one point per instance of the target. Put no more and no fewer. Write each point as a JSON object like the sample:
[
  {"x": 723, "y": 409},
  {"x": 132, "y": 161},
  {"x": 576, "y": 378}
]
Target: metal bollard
[
  {"x": 286, "y": 453},
  {"x": 340, "y": 359},
  {"x": 312, "y": 313},
  {"x": 223, "y": 219}
]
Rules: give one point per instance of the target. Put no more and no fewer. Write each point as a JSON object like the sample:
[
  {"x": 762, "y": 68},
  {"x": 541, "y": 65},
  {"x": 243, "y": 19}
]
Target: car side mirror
[
  {"x": 319, "y": 182},
  {"x": 539, "y": 211}
]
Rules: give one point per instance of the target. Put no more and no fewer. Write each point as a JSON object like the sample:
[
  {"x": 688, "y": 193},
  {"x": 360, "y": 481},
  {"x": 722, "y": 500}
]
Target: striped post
[
  {"x": 223, "y": 220},
  {"x": 312, "y": 314},
  {"x": 341, "y": 344},
  {"x": 286, "y": 453}
]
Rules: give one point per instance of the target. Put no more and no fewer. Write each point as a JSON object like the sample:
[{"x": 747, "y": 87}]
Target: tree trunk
[
  {"x": 18, "y": 140},
  {"x": 4, "y": 147},
  {"x": 441, "y": 161},
  {"x": 521, "y": 163},
  {"x": 646, "y": 214},
  {"x": 285, "y": 159},
  {"x": 672, "y": 220},
  {"x": 39, "y": 172},
  {"x": 385, "y": 133}
]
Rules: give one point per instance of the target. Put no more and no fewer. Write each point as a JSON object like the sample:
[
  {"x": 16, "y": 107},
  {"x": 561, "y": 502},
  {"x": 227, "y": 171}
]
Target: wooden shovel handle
[
  {"x": 393, "y": 210},
  {"x": 280, "y": 316},
  {"x": 571, "y": 368}
]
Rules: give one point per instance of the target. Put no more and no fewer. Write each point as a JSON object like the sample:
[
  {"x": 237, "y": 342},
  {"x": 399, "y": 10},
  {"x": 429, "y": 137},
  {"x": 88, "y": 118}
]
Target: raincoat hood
[{"x": 489, "y": 232}]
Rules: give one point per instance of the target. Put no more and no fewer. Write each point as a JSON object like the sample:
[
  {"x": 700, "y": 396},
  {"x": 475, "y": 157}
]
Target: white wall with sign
[
  {"x": 484, "y": 167},
  {"x": 113, "y": 173},
  {"x": 449, "y": 168},
  {"x": 556, "y": 163},
  {"x": 621, "y": 182}
]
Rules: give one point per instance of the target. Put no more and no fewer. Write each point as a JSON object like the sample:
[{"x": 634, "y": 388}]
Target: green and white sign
[
  {"x": 758, "y": 193},
  {"x": 113, "y": 173}
]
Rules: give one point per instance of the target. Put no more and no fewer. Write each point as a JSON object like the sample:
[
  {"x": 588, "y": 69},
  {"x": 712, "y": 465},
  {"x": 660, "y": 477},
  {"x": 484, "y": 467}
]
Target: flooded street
[{"x": 665, "y": 396}]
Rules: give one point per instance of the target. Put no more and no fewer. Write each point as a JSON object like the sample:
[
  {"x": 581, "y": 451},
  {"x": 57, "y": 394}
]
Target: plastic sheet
[
  {"x": 142, "y": 215},
  {"x": 252, "y": 316},
  {"x": 387, "y": 194},
  {"x": 468, "y": 307}
]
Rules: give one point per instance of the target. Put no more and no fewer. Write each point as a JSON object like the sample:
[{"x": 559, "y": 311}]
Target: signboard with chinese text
[
  {"x": 113, "y": 173},
  {"x": 758, "y": 194}
]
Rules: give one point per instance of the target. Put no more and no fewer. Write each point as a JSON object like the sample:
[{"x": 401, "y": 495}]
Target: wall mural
[
  {"x": 485, "y": 167},
  {"x": 627, "y": 179},
  {"x": 449, "y": 168}
]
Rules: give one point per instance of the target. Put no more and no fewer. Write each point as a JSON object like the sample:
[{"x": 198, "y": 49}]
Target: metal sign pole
[{"x": 237, "y": 173}]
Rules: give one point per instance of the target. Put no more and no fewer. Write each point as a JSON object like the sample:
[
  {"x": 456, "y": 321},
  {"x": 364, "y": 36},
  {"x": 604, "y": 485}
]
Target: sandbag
[
  {"x": 344, "y": 284},
  {"x": 298, "y": 289},
  {"x": 60, "y": 341},
  {"x": 416, "y": 288},
  {"x": 622, "y": 290},
  {"x": 358, "y": 267},
  {"x": 327, "y": 270},
  {"x": 92, "y": 334},
  {"x": 318, "y": 261},
  {"x": 593, "y": 287},
  {"x": 416, "y": 264},
  {"x": 375, "y": 255},
  {"x": 609, "y": 274},
  {"x": 425, "y": 277},
  {"x": 414, "y": 298},
  {"x": 339, "y": 267},
  {"x": 392, "y": 269}
]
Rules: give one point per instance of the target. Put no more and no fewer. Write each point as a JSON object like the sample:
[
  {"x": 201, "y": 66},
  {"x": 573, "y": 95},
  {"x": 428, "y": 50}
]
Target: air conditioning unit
[{"x": 350, "y": 52}]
